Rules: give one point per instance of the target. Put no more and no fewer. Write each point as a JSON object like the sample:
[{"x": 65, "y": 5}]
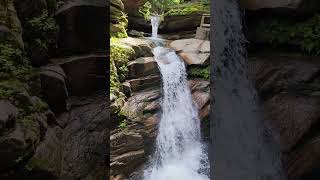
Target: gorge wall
[
  {"x": 284, "y": 62},
  {"x": 54, "y": 111}
]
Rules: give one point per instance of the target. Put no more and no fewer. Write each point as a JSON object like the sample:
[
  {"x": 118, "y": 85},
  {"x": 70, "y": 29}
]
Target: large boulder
[
  {"x": 142, "y": 67},
  {"x": 54, "y": 87},
  {"x": 85, "y": 74},
  {"x": 141, "y": 46},
  {"x": 48, "y": 154},
  {"x": 83, "y": 26},
  {"x": 300, "y": 5},
  {"x": 192, "y": 51},
  {"x": 8, "y": 115},
  {"x": 181, "y": 23}
]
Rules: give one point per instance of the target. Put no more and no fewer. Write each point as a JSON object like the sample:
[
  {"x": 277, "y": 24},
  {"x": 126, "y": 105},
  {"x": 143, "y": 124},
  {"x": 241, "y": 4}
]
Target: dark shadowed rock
[
  {"x": 292, "y": 116},
  {"x": 8, "y": 115},
  {"x": 304, "y": 6},
  {"x": 131, "y": 7},
  {"x": 30, "y": 8},
  {"x": 83, "y": 26},
  {"x": 85, "y": 138},
  {"x": 54, "y": 87},
  {"x": 85, "y": 74},
  {"x": 304, "y": 159},
  {"x": 48, "y": 154},
  {"x": 180, "y": 23},
  {"x": 288, "y": 85},
  {"x": 170, "y": 24},
  {"x": 12, "y": 147},
  {"x": 283, "y": 72}
]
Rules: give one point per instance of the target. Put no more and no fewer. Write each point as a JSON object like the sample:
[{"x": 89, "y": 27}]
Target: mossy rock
[
  {"x": 118, "y": 4},
  {"x": 283, "y": 32},
  {"x": 11, "y": 26},
  {"x": 189, "y": 8},
  {"x": 48, "y": 155}
]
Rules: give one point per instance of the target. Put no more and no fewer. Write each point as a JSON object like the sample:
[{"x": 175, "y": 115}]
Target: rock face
[
  {"x": 8, "y": 115},
  {"x": 180, "y": 23},
  {"x": 132, "y": 6},
  {"x": 54, "y": 86},
  {"x": 83, "y": 26},
  {"x": 300, "y": 5},
  {"x": 289, "y": 87},
  {"x": 192, "y": 51},
  {"x": 85, "y": 73},
  {"x": 85, "y": 138}
]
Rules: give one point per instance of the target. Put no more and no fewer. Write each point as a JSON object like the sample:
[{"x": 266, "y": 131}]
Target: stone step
[
  {"x": 142, "y": 67},
  {"x": 144, "y": 82},
  {"x": 85, "y": 74}
]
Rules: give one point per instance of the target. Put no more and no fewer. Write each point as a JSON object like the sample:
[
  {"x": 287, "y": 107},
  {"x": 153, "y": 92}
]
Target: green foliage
[
  {"x": 123, "y": 125},
  {"x": 145, "y": 10},
  {"x": 119, "y": 57},
  {"x": 156, "y": 7},
  {"x": 200, "y": 72},
  {"x": 303, "y": 34},
  {"x": 119, "y": 29},
  {"x": 13, "y": 63},
  {"x": 188, "y": 8},
  {"x": 41, "y": 33}
]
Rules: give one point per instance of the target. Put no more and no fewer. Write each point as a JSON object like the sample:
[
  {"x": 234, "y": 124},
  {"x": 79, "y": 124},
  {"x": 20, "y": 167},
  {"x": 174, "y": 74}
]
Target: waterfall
[
  {"x": 243, "y": 146},
  {"x": 179, "y": 153},
  {"x": 155, "y": 22}
]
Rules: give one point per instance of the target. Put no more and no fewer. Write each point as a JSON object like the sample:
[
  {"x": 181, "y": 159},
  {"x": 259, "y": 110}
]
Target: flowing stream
[{"x": 179, "y": 153}]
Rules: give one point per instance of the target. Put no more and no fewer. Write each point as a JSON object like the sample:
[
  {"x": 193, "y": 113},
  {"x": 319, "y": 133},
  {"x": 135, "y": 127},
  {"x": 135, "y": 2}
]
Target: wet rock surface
[{"x": 288, "y": 86}]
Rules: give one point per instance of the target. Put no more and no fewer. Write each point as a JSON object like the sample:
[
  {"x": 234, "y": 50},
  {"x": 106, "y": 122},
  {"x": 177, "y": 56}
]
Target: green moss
[
  {"x": 305, "y": 35},
  {"x": 120, "y": 55},
  {"x": 188, "y": 8},
  {"x": 119, "y": 25},
  {"x": 39, "y": 164},
  {"x": 12, "y": 62},
  {"x": 29, "y": 126},
  {"x": 200, "y": 72}
]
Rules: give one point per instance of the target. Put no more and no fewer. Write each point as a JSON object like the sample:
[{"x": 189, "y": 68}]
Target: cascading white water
[
  {"x": 155, "y": 22},
  {"x": 179, "y": 153}
]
